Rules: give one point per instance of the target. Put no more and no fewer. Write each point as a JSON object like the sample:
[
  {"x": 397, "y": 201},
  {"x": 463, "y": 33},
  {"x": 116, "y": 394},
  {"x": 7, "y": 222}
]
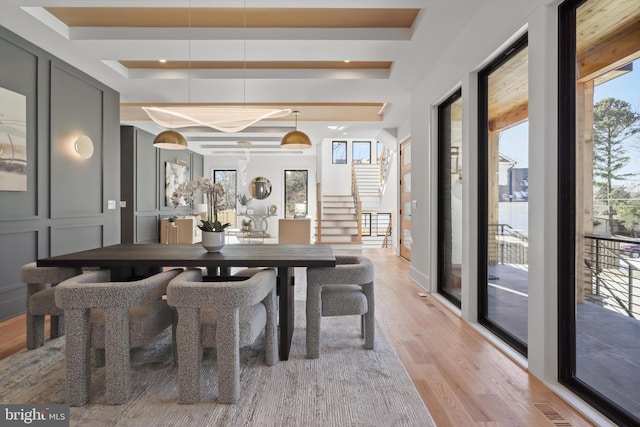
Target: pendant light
[
  {"x": 170, "y": 140},
  {"x": 224, "y": 119},
  {"x": 296, "y": 140}
]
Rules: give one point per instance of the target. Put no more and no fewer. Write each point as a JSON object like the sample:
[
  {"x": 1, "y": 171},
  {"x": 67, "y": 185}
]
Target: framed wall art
[{"x": 13, "y": 141}]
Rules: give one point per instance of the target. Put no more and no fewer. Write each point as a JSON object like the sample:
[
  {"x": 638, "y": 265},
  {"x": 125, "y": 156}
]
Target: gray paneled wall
[
  {"x": 65, "y": 207},
  {"x": 143, "y": 184}
]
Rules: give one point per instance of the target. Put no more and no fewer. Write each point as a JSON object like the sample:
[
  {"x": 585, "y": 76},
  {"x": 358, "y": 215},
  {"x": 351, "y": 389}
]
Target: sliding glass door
[
  {"x": 503, "y": 195},
  {"x": 599, "y": 217},
  {"x": 450, "y": 198}
]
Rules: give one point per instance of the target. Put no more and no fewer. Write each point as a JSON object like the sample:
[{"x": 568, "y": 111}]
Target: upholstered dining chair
[
  {"x": 114, "y": 316},
  {"x": 346, "y": 289},
  {"x": 41, "y": 302},
  {"x": 228, "y": 315}
]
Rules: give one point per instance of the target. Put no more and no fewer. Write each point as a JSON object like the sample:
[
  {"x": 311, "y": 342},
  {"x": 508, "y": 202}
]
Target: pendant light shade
[
  {"x": 170, "y": 140},
  {"x": 296, "y": 140}
]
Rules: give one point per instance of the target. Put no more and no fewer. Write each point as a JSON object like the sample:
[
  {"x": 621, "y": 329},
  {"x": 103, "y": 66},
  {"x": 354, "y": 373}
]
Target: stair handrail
[
  {"x": 384, "y": 161},
  {"x": 387, "y": 234},
  {"x": 356, "y": 200},
  {"x": 319, "y": 212}
]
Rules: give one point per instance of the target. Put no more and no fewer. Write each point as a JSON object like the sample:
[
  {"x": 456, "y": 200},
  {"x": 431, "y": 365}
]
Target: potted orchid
[{"x": 213, "y": 230}]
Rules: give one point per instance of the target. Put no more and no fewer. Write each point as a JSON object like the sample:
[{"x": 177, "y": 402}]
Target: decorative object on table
[
  {"x": 213, "y": 241},
  {"x": 246, "y": 224},
  {"x": 212, "y": 229},
  {"x": 172, "y": 220},
  {"x": 273, "y": 210},
  {"x": 244, "y": 201}
]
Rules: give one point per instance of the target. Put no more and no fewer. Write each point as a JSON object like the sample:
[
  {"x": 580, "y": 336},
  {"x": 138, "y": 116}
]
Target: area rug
[{"x": 346, "y": 386}]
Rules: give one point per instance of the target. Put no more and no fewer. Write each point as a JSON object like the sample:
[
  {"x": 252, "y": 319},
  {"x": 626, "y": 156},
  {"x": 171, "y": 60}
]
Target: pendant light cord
[
  {"x": 189, "y": 54},
  {"x": 244, "y": 56}
]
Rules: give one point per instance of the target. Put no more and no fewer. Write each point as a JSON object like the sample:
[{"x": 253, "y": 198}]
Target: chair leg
[
  {"x": 99, "y": 357},
  {"x": 77, "y": 352},
  {"x": 369, "y": 318},
  {"x": 35, "y": 331},
  {"x": 271, "y": 340},
  {"x": 117, "y": 352},
  {"x": 228, "y": 346},
  {"x": 174, "y": 332},
  {"x": 189, "y": 354},
  {"x": 57, "y": 326},
  {"x": 314, "y": 316}
]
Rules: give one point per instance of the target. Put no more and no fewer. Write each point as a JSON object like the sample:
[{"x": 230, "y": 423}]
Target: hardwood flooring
[{"x": 463, "y": 379}]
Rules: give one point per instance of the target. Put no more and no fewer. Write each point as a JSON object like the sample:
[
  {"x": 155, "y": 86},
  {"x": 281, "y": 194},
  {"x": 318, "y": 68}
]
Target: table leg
[{"x": 286, "y": 282}]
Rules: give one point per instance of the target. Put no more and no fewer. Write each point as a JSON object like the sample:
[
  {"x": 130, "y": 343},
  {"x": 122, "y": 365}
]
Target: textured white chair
[
  {"x": 41, "y": 300},
  {"x": 114, "y": 316},
  {"x": 227, "y": 315},
  {"x": 346, "y": 289}
]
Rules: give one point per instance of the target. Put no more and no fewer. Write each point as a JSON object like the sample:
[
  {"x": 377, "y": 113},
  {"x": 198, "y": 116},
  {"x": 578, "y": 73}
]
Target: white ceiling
[{"x": 96, "y": 50}]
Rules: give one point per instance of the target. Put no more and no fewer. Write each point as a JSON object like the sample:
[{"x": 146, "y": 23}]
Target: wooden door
[{"x": 405, "y": 200}]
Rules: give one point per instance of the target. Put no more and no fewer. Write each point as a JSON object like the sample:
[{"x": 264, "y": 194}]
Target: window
[
  {"x": 598, "y": 217},
  {"x": 296, "y": 193},
  {"x": 339, "y": 152},
  {"x": 503, "y": 150},
  {"x": 228, "y": 179},
  {"x": 361, "y": 152},
  {"x": 366, "y": 223},
  {"x": 450, "y": 198}
]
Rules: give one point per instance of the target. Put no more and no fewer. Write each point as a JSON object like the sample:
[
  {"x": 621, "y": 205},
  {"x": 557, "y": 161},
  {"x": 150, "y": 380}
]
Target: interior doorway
[{"x": 405, "y": 200}]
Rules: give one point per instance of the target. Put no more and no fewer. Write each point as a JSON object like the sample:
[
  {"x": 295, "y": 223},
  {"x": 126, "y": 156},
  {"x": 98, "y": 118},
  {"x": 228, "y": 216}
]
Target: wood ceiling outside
[
  {"x": 233, "y": 18},
  {"x": 509, "y": 92},
  {"x": 608, "y": 36}
]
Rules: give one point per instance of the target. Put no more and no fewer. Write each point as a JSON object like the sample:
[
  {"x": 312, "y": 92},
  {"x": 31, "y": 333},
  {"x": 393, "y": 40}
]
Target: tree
[{"x": 614, "y": 121}]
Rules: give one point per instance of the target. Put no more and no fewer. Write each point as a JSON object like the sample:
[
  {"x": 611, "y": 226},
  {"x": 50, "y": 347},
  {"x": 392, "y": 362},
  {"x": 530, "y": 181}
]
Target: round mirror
[{"x": 260, "y": 188}]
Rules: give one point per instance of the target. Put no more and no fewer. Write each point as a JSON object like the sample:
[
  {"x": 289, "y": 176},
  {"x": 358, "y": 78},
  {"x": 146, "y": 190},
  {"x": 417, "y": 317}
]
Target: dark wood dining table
[{"x": 128, "y": 261}]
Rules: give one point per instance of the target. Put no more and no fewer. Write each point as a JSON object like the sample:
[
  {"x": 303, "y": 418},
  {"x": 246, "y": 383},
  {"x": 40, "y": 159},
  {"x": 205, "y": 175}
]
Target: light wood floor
[{"x": 463, "y": 379}]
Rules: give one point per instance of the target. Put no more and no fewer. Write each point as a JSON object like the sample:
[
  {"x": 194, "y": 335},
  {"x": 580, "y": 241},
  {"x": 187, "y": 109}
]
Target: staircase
[
  {"x": 368, "y": 181},
  {"x": 338, "y": 224}
]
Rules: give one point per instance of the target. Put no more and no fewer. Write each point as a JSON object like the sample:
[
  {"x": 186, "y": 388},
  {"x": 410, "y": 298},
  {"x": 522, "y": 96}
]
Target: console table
[{"x": 260, "y": 219}]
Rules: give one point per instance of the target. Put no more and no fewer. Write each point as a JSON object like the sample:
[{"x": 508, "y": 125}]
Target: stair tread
[{"x": 329, "y": 242}]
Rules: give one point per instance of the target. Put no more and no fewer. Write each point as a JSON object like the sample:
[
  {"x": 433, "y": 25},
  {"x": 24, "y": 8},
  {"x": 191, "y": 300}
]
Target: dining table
[{"x": 132, "y": 261}]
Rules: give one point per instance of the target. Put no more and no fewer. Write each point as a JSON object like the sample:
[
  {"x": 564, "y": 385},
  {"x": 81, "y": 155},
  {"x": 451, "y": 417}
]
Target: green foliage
[
  {"x": 213, "y": 226},
  {"x": 614, "y": 121}
]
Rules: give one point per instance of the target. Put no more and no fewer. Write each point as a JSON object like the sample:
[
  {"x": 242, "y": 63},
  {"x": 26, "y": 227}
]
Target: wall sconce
[{"x": 84, "y": 147}]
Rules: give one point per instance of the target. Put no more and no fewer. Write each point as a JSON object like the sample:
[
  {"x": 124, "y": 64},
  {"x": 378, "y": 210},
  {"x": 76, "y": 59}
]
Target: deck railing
[
  {"x": 509, "y": 246},
  {"x": 612, "y": 274}
]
